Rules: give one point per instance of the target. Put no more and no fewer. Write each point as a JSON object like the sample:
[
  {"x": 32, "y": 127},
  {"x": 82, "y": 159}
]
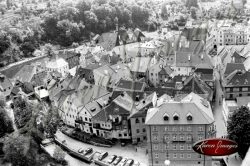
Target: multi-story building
[
  {"x": 173, "y": 127},
  {"x": 237, "y": 84}
]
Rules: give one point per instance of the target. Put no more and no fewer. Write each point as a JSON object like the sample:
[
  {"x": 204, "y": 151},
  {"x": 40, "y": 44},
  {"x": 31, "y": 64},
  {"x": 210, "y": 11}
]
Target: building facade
[{"x": 173, "y": 128}]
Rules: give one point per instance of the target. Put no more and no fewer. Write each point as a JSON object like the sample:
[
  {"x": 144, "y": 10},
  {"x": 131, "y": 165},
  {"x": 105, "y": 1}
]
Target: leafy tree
[
  {"x": 193, "y": 13},
  {"x": 59, "y": 155},
  {"x": 140, "y": 16},
  {"x": 191, "y": 3},
  {"x": 18, "y": 151},
  {"x": 83, "y": 6},
  {"x": 22, "y": 112},
  {"x": 51, "y": 122},
  {"x": 239, "y": 129},
  {"x": 164, "y": 11},
  {"x": 6, "y": 125},
  {"x": 49, "y": 50}
]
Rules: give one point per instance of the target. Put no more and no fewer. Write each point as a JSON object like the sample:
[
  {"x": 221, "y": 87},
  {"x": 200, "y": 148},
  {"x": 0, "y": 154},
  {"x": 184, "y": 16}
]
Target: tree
[
  {"x": 193, "y": 12},
  {"x": 6, "y": 125},
  {"x": 239, "y": 129},
  {"x": 18, "y": 151},
  {"x": 164, "y": 11},
  {"x": 51, "y": 122},
  {"x": 49, "y": 50},
  {"x": 191, "y": 3},
  {"x": 59, "y": 155}
]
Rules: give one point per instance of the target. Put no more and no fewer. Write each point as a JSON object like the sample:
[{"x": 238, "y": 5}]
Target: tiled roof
[
  {"x": 26, "y": 73},
  {"x": 182, "y": 59},
  {"x": 5, "y": 85},
  {"x": 193, "y": 105},
  {"x": 231, "y": 67},
  {"x": 195, "y": 33},
  {"x": 141, "y": 64},
  {"x": 109, "y": 40},
  {"x": 127, "y": 85},
  {"x": 239, "y": 79}
]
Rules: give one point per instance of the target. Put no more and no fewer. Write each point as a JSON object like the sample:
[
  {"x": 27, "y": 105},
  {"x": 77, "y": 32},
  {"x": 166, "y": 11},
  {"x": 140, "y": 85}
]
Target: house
[
  {"x": 5, "y": 86},
  {"x": 237, "y": 84},
  {"x": 71, "y": 57},
  {"x": 137, "y": 118},
  {"x": 194, "y": 84},
  {"x": 159, "y": 73},
  {"x": 206, "y": 73},
  {"x": 74, "y": 105},
  {"x": 42, "y": 78},
  {"x": 237, "y": 58},
  {"x": 41, "y": 92},
  {"x": 86, "y": 59},
  {"x": 112, "y": 121},
  {"x": 57, "y": 64},
  {"x": 140, "y": 66},
  {"x": 173, "y": 127},
  {"x": 103, "y": 75},
  {"x": 150, "y": 47}
]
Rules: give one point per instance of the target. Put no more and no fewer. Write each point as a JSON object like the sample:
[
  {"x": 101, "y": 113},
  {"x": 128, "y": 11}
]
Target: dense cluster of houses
[{"x": 126, "y": 86}]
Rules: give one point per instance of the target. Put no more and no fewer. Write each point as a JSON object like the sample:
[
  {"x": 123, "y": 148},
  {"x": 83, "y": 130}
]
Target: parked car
[
  {"x": 129, "y": 162},
  {"x": 81, "y": 150},
  {"x": 87, "y": 151},
  {"x": 103, "y": 155},
  {"x": 122, "y": 162},
  {"x": 117, "y": 160},
  {"x": 136, "y": 164},
  {"x": 111, "y": 159}
]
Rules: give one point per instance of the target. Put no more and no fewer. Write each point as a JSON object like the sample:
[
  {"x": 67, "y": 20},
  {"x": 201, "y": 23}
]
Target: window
[
  {"x": 200, "y": 137},
  {"x": 143, "y": 120},
  {"x": 174, "y": 147},
  {"x": 155, "y": 138},
  {"x": 120, "y": 135},
  {"x": 182, "y": 128},
  {"x": 199, "y": 156},
  {"x": 201, "y": 128},
  {"x": 86, "y": 119},
  {"x": 167, "y": 155},
  {"x": 176, "y": 117},
  {"x": 174, "y": 129},
  {"x": 189, "y": 137},
  {"x": 137, "y": 130},
  {"x": 182, "y": 156},
  {"x": 166, "y": 137},
  {"x": 182, "y": 137},
  {"x": 188, "y": 155},
  {"x": 156, "y": 155},
  {"x": 189, "y": 147},
  {"x": 166, "y": 128},
  {"x": 189, "y": 128},
  {"x": 155, "y": 147},
  {"x": 137, "y": 120},
  {"x": 144, "y": 130},
  {"x": 175, "y": 155},
  {"x": 166, "y": 146},
  {"x": 154, "y": 128},
  {"x": 174, "y": 137},
  {"x": 165, "y": 117},
  {"x": 181, "y": 147},
  {"x": 189, "y": 118}
]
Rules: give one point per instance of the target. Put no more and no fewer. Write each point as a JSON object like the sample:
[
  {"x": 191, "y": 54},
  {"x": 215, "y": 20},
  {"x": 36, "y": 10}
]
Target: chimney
[
  {"x": 189, "y": 57},
  {"x": 180, "y": 44},
  {"x": 202, "y": 57}
]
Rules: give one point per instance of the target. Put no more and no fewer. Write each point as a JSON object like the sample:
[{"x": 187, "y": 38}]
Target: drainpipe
[{"x": 151, "y": 145}]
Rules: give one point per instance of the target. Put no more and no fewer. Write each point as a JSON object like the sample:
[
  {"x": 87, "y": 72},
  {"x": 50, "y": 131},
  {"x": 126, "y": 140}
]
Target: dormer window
[
  {"x": 176, "y": 116},
  {"x": 189, "y": 117},
  {"x": 165, "y": 117}
]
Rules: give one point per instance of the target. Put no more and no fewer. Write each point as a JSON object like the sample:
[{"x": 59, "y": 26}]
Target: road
[{"x": 128, "y": 151}]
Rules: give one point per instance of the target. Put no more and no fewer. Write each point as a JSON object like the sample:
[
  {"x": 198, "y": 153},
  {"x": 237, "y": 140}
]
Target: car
[
  {"x": 87, "y": 151},
  {"x": 129, "y": 162},
  {"x": 111, "y": 159},
  {"x": 136, "y": 164},
  {"x": 122, "y": 162},
  {"x": 117, "y": 160},
  {"x": 81, "y": 150},
  {"x": 102, "y": 156}
]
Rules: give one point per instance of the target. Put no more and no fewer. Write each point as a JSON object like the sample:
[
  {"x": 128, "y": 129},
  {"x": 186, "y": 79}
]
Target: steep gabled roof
[
  {"x": 231, "y": 67},
  {"x": 192, "y": 104},
  {"x": 109, "y": 40}
]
